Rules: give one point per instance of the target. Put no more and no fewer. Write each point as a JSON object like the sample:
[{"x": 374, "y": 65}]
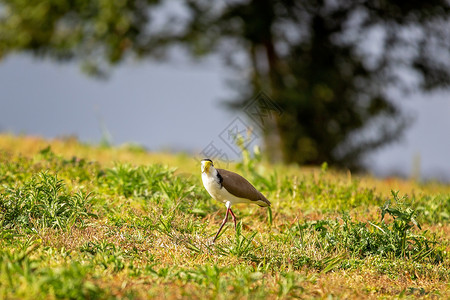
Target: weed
[
  {"x": 288, "y": 285},
  {"x": 141, "y": 181},
  {"x": 41, "y": 202}
]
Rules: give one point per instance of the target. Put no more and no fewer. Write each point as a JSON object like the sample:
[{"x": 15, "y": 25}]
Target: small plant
[
  {"x": 288, "y": 285},
  {"x": 242, "y": 247},
  {"x": 404, "y": 217},
  {"x": 105, "y": 254},
  {"x": 43, "y": 202}
]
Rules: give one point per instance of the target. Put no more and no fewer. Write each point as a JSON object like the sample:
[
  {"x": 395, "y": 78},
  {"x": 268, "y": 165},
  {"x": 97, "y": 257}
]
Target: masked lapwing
[{"x": 229, "y": 188}]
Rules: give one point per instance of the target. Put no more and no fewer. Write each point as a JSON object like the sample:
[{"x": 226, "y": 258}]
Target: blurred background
[{"x": 362, "y": 86}]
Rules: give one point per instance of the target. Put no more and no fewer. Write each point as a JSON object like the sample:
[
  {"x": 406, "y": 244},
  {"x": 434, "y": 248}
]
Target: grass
[{"x": 84, "y": 222}]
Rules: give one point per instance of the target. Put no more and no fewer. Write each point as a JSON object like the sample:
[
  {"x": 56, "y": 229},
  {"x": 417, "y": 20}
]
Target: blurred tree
[
  {"x": 97, "y": 32},
  {"x": 333, "y": 67}
]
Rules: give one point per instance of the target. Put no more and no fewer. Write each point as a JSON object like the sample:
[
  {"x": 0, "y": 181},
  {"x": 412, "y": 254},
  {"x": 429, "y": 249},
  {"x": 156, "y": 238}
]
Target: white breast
[{"x": 214, "y": 189}]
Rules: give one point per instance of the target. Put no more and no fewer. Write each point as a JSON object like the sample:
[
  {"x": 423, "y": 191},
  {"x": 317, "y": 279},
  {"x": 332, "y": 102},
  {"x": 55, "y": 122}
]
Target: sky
[{"x": 179, "y": 106}]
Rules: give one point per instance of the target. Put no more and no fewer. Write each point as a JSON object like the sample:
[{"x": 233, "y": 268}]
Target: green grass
[{"x": 76, "y": 225}]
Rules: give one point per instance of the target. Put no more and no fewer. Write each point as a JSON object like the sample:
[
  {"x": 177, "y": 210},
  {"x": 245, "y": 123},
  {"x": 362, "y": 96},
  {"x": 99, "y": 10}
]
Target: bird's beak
[{"x": 205, "y": 166}]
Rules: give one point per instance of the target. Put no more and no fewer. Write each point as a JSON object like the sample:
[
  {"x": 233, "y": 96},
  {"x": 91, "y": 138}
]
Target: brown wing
[{"x": 240, "y": 187}]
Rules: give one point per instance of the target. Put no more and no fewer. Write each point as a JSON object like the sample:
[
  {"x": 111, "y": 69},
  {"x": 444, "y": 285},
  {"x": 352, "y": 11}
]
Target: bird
[{"x": 230, "y": 188}]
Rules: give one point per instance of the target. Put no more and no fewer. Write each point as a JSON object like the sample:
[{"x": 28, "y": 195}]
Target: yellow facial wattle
[{"x": 205, "y": 166}]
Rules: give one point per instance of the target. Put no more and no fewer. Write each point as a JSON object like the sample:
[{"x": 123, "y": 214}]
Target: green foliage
[
  {"x": 94, "y": 32},
  {"x": 156, "y": 184},
  {"x": 433, "y": 209},
  {"x": 18, "y": 169},
  {"x": 206, "y": 276},
  {"x": 322, "y": 192},
  {"x": 139, "y": 181},
  {"x": 75, "y": 168},
  {"x": 42, "y": 202},
  {"x": 13, "y": 169},
  {"x": 289, "y": 286},
  {"x": 364, "y": 239},
  {"x": 24, "y": 277},
  {"x": 404, "y": 218},
  {"x": 242, "y": 247},
  {"x": 106, "y": 254},
  {"x": 403, "y": 215}
]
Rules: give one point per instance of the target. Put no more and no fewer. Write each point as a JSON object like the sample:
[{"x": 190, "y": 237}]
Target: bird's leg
[
  {"x": 234, "y": 218},
  {"x": 223, "y": 223}
]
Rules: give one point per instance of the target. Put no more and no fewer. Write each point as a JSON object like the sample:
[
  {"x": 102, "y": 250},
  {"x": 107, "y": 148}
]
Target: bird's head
[{"x": 206, "y": 164}]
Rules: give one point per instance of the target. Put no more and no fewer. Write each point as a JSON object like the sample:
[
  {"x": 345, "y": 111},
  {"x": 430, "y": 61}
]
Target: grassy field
[{"x": 84, "y": 222}]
